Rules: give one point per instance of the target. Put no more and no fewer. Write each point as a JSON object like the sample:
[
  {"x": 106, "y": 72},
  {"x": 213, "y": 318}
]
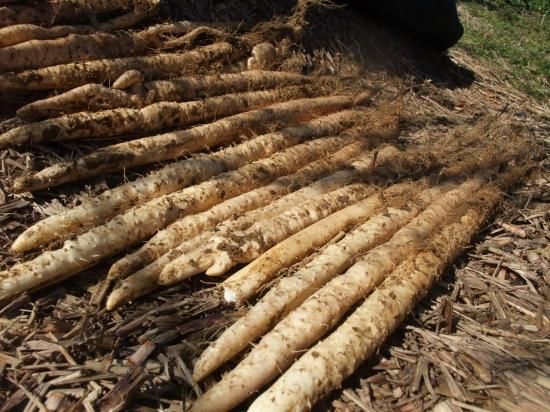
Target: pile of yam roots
[{"x": 262, "y": 170}]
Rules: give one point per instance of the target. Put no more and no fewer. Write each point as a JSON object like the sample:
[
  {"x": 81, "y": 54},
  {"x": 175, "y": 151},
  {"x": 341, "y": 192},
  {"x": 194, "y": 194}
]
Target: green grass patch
[{"x": 513, "y": 35}]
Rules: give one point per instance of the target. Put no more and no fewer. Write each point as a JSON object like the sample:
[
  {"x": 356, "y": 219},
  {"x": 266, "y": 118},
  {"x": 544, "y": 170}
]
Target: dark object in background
[{"x": 432, "y": 24}]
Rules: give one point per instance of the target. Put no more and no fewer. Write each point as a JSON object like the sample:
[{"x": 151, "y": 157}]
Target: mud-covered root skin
[
  {"x": 127, "y": 79},
  {"x": 45, "y": 14},
  {"x": 233, "y": 157},
  {"x": 94, "y": 97},
  {"x": 35, "y": 54},
  {"x": 70, "y": 75},
  {"x": 322, "y": 369},
  {"x": 149, "y": 119},
  {"x": 302, "y": 327},
  {"x": 171, "y": 145}
]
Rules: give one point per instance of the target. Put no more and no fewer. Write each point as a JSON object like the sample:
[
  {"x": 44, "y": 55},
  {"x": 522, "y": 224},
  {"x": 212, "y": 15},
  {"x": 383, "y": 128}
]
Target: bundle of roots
[{"x": 262, "y": 168}]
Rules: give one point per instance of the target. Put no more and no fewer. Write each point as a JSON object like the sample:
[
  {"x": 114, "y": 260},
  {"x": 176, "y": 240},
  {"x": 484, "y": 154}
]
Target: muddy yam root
[
  {"x": 301, "y": 328},
  {"x": 257, "y": 202},
  {"x": 172, "y": 145},
  {"x": 292, "y": 290},
  {"x": 322, "y": 369},
  {"x": 70, "y": 75},
  {"x": 94, "y": 97},
  {"x": 142, "y": 221},
  {"x": 150, "y": 119}
]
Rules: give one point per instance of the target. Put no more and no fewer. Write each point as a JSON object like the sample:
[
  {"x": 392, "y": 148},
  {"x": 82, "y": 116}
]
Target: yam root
[
  {"x": 172, "y": 235},
  {"x": 237, "y": 156},
  {"x": 224, "y": 252},
  {"x": 93, "y": 97},
  {"x": 309, "y": 322},
  {"x": 146, "y": 279},
  {"x": 46, "y": 15},
  {"x": 70, "y": 75},
  {"x": 322, "y": 369},
  {"x": 172, "y": 145},
  {"x": 170, "y": 178},
  {"x": 150, "y": 119},
  {"x": 142, "y": 221},
  {"x": 128, "y": 79},
  {"x": 291, "y": 291}
]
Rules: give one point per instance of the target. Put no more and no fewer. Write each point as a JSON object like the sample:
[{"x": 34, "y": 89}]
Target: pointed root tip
[
  {"x": 117, "y": 271},
  {"x": 19, "y": 245},
  {"x": 113, "y": 301}
]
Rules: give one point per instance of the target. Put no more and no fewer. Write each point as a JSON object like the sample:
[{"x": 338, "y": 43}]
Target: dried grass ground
[{"x": 478, "y": 341}]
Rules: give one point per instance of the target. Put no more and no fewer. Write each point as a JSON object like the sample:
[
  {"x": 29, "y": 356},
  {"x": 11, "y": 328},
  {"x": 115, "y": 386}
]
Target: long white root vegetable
[
  {"x": 176, "y": 176},
  {"x": 245, "y": 283},
  {"x": 324, "y": 367},
  {"x": 146, "y": 279},
  {"x": 337, "y": 199},
  {"x": 95, "y": 97},
  {"x": 70, "y": 75},
  {"x": 224, "y": 252},
  {"x": 34, "y": 54},
  {"x": 20, "y": 33},
  {"x": 291, "y": 291},
  {"x": 186, "y": 228},
  {"x": 142, "y": 221},
  {"x": 128, "y": 79},
  {"x": 318, "y": 314},
  {"x": 150, "y": 119},
  {"x": 172, "y": 145}
]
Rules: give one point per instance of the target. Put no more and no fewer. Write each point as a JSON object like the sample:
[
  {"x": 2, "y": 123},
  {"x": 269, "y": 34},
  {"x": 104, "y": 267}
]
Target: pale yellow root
[
  {"x": 142, "y": 221},
  {"x": 195, "y": 247},
  {"x": 128, "y": 79},
  {"x": 146, "y": 279},
  {"x": 324, "y": 367},
  {"x": 34, "y": 54},
  {"x": 90, "y": 97},
  {"x": 129, "y": 287},
  {"x": 95, "y": 97},
  {"x": 263, "y": 57},
  {"x": 70, "y": 75},
  {"x": 291, "y": 291},
  {"x": 318, "y": 314},
  {"x": 150, "y": 119},
  {"x": 20, "y": 33},
  {"x": 245, "y": 283},
  {"x": 236, "y": 156},
  {"x": 225, "y": 251},
  {"x": 170, "y": 178},
  {"x": 172, "y": 145}
]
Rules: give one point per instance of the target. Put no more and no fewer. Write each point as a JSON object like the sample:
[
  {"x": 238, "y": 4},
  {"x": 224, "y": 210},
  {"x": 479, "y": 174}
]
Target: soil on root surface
[{"x": 479, "y": 340}]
